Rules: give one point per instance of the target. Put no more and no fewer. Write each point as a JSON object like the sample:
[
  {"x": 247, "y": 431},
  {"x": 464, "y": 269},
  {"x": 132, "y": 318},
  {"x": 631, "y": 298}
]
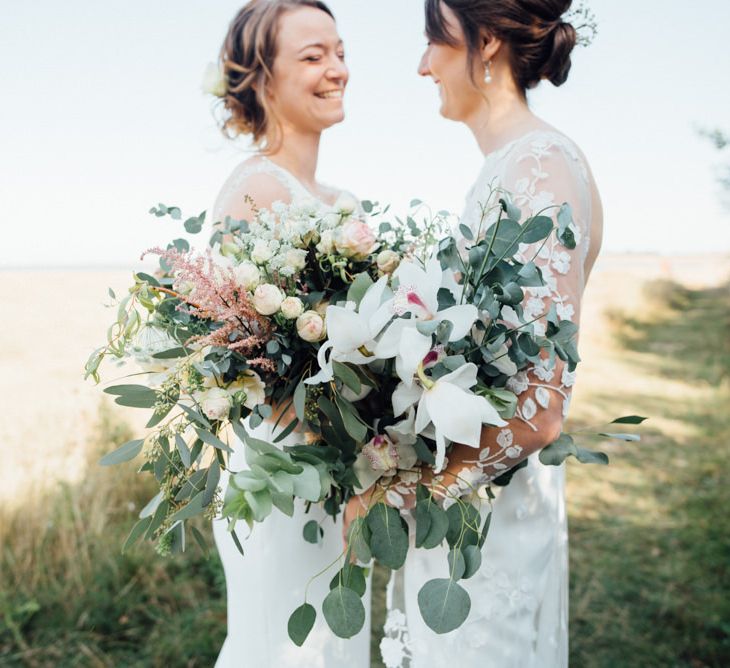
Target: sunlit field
[{"x": 650, "y": 534}]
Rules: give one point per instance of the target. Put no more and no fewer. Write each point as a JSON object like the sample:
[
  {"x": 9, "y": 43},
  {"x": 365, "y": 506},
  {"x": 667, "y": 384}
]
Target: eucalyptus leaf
[
  {"x": 191, "y": 509},
  {"x": 352, "y": 577},
  {"x": 630, "y": 419},
  {"x": 212, "y": 439},
  {"x": 311, "y": 532},
  {"x": 358, "y": 288},
  {"x": 536, "y": 229},
  {"x": 300, "y": 624},
  {"x": 631, "y": 438},
  {"x": 558, "y": 451},
  {"x": 389, "y": 541},
  {"x": 344, "y": 612},
  {"x": 472, "y": 560},
  {"x": 347, "y": 376},
  {"x": 590, "y": 457},
  {"x": 438, "y": 529},
  {"x": 300, "y": 398},
  {"x": 457, "y": 564},
  {"x": 123, "y": 453},
  {"x": 136, "y": 533},
  {"x": 182, "y": 448},
  {"x": 444, "y": 605}
]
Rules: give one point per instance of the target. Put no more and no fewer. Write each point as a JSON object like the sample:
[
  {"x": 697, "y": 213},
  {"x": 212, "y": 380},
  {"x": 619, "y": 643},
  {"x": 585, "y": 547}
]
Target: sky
[{"x": 102, "y": 117}]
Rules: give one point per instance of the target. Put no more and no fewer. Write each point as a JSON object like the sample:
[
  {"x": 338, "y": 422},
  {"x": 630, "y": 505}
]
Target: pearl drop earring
[{"x": 487, "y": 72}]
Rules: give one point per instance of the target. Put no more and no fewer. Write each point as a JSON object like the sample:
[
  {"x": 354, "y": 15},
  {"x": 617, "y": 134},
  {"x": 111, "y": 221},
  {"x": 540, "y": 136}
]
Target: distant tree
[{"x": 721, "y": 141}]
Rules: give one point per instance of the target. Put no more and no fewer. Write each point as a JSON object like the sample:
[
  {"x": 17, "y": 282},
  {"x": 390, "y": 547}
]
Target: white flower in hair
[{"x": 214, "y": 81}]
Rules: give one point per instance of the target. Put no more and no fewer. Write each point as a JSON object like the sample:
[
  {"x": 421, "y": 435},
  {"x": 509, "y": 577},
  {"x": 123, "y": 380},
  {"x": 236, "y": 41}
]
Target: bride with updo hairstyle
[
  {"x": 484, "y": 56},
  {"x": 285, "y": 72}
]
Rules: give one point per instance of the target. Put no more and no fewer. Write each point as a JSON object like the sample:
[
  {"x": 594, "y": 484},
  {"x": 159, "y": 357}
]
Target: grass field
[{"x": 650, "y": 534}]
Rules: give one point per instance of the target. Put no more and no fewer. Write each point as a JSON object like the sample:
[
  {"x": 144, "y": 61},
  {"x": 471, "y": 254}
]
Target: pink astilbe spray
[{"x": 211, "y": 292}]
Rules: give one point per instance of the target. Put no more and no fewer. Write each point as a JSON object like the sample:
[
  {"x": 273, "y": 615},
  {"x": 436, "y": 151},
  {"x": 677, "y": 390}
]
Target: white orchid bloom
[
  {"x": 457, "y": 415},
  {"x": 351, "y": 333},
  {"x": 418, "y": 295}
]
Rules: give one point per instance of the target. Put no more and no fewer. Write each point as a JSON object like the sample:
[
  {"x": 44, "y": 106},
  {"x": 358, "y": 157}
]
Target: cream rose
[
  {"x": 267, "y": 299},
  {"x": 216, "y": 403},
  {"x": 310, "y": 326},
  {"x": 346, "y": 204},
  {"x": 388, "y": 261},
  {"x": 355, "y": 239},
  {"x": 292, "y": 307},
  {"x": 296, "y": 258}
]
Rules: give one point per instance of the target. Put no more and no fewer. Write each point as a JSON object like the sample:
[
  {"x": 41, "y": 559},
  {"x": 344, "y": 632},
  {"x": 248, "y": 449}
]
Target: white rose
[
  {"x": 216, "y": 403},
  {"x": 214, "y": 81},
  {"x": 247, "y": 275},
  {"x": 388, "y": 261},
  {"x": 346, "y": 203},
  {"x": 355, "y": 239},
  {"x": 250, "y": 383},
  {"x": 310, "y": 326},
  {"x": 326, "y": 243},
  {"x": 292, "y": 307},
  {"x": 296, "y": 259},
  {"x": 267, "y": 299},
  {"x": 261, "y": 252}
]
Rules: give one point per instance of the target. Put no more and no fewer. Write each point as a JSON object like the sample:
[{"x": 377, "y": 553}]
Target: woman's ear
[{"x": 490, "y": 46}]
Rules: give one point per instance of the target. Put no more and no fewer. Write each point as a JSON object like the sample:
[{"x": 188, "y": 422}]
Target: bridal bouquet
[{"x": 377, "y": 351}]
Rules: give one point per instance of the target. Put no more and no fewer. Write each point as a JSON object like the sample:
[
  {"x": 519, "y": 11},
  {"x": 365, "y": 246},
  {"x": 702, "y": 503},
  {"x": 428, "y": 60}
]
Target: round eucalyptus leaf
[
  {"x": 344, "y": 612},
  {"x": 444, "y": 605},
  {"x": 389, "y": 540}
]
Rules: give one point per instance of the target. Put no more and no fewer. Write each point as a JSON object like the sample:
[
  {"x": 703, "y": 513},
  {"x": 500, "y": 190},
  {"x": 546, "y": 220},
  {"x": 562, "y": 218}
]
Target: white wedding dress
[
  {"x": 519, "y": 610},
  {"x": 267, "y": 584}
]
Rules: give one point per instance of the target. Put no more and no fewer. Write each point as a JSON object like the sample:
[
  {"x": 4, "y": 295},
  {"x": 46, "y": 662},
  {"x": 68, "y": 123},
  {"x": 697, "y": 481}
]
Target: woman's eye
[
  {"x": 341, "y": 56},
  {"x": 313, "y": 59}
]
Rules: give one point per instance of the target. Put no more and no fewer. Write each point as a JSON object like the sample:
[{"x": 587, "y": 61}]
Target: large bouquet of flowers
[{"x": 377, "y": 350}]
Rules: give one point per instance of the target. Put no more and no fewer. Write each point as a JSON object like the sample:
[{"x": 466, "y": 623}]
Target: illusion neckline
[{"x": 505, "y": 147}]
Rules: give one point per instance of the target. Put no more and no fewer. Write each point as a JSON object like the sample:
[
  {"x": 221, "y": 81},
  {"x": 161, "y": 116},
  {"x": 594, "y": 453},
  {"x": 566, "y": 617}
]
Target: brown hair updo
[
  {"x": 247, "y": 57},
  {"x": 539, "y": 41}
]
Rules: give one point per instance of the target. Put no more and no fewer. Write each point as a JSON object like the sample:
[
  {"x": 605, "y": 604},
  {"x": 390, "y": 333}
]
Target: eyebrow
[{"x": 319, "y": 45}]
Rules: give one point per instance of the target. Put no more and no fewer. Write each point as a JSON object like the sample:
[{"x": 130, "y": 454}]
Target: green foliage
[
  {"x": 344, "y": 612},
  {"x": 389, "y": 540},
  {"x": 301, "y": 623},
  {"x": 444, "y": 605}
]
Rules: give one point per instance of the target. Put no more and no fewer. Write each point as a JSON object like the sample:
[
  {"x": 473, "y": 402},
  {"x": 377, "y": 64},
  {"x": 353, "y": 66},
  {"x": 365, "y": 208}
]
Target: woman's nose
[
  {"x": 423, "y": 68},
  {"x": 338, "y": 71}
]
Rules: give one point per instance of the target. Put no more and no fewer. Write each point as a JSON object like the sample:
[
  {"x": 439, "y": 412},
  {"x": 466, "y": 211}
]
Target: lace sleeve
[
  {"x": 538, "y": 175},
  {"x": 250, "y": 187}
]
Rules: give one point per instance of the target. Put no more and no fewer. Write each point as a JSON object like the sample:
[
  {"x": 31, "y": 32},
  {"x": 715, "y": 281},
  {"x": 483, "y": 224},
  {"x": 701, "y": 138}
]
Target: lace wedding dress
[
  {"x": 519, "y": 611},
  {"x": 268, "y": 583}
]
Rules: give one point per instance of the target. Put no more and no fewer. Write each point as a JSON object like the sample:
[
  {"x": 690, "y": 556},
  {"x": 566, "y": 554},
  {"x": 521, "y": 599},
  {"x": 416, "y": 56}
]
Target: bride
[
  {"x": 483, "y": 55},
  {"x": 286, "y": 76}
]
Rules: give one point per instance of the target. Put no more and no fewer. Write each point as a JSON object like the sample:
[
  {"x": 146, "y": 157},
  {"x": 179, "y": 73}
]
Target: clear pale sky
[{"x": 102, "y": 117}]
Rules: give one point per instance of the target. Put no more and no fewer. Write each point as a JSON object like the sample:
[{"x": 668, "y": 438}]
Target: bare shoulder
[{"x": 250, "y": 186}]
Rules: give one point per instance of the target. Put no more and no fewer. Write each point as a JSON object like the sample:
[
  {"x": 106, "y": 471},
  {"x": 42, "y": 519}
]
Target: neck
[
  {"x": 502, "y": 114},
  {"x": 298, "y": 153}
]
